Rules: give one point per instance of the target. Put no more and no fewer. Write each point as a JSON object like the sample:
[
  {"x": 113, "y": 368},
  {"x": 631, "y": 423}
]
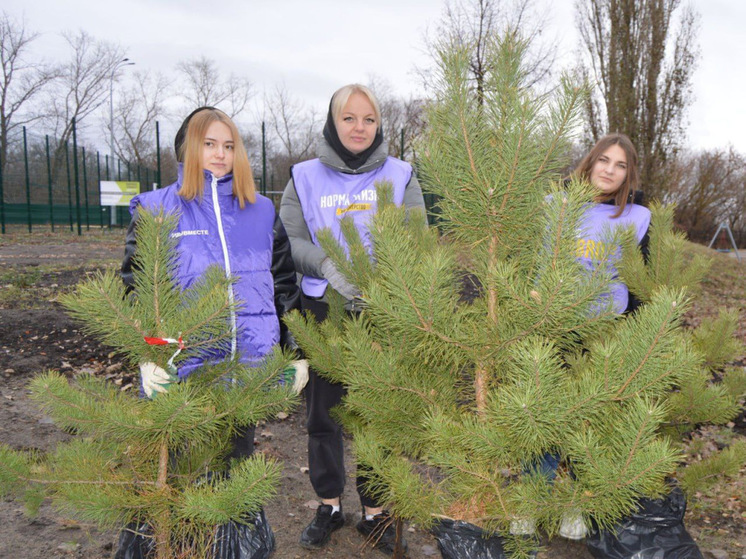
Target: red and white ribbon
[{"x": 166, "y": 341}]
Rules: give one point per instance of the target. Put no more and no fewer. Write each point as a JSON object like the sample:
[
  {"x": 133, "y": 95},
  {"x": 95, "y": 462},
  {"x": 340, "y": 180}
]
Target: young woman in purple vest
[
  {"x": 352, "y": 157},
  {"x": 224, "y": 222},
  {"x": 611, "y": 167}
]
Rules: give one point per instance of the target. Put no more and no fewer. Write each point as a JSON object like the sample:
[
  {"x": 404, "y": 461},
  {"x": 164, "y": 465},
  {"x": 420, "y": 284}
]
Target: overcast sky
[{"x": 314, "y": 46}]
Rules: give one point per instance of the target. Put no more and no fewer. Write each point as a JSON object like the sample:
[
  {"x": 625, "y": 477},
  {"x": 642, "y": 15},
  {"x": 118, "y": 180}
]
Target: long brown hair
[
  {"x": 193, "y": 181},
  {"x": 631, "y": 181}
]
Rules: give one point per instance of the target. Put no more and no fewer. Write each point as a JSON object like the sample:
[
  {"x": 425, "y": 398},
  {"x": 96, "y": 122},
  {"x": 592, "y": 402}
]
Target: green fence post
[
  {"x": 85, "y": 192},
  {"x": 49, "y": 184},
  {"x": 2, "y": 201},
  {"x": 69, "y": 185},
  {"x": 28, "y": 182},
  {"x": 98, "y": 185},
  {"x": 114, "y": 211},
  {"x": 158, "y": 152},
  {"x": 264, "y": 160},
  {"x": 77, "y": 180},
  {"x": 108, "y": 178}
]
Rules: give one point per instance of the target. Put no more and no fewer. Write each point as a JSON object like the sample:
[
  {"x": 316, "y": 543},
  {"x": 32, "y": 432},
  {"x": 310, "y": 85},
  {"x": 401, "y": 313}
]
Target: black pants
[
  {"x": 243, "y": 443},
  {"x": 325, "y": 444}
]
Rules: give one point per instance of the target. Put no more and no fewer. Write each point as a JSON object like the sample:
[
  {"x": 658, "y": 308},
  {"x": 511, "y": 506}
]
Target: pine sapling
[{"x": 156, "y": 463}]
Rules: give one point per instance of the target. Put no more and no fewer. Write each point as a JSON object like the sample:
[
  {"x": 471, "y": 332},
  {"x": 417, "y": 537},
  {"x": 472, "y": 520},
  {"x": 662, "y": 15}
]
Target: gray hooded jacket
[{"x": 306, "y": 255}]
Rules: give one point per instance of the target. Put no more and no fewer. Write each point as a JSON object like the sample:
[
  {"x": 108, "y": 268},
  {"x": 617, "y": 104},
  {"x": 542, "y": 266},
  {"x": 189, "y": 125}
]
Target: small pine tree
[
  {"x": 697, "y": 399},
  {"x": 453, "y": 404},
  {"x": 670, "y": 263},
  {"x": 147, "y": 461}
]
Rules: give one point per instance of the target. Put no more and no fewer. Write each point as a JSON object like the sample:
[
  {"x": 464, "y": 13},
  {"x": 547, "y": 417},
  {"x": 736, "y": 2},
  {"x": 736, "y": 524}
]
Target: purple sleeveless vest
[
  {"x": 593, "y": 237},
  {"x": 327, "y": 195},
  {"x": 215, "y": 230}
]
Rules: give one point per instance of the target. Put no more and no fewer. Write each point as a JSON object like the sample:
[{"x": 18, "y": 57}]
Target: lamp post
[{"x": 120, "y": 64}]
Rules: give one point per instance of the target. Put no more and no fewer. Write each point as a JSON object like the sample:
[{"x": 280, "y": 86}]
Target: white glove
[
  {"x": 297, "y": 373},
  {"x": 301, "y": 375},
  {"x": 572, "y": 526},
  {"x": 523, "y": 527},
  {"x": 154, "y": 379},
  {"x": 338, "y": 281}
]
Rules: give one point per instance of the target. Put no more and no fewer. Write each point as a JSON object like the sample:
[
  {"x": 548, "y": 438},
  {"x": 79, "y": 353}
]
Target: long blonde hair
[
  {"x": 193, "y": 181},
  {"x": 631, "y": 181}
]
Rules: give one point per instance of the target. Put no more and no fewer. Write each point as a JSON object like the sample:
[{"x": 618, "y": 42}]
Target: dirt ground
[{"x": 35, "y": 334}]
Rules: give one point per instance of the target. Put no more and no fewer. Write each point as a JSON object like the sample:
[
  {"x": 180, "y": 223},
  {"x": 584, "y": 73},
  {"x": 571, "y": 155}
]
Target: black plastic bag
[
  {"x": 252, "y": 540},
  {"x": 655, "y": 531},
  {"x": 135, "y": 542},
  {"x": 461, "y": 540}
]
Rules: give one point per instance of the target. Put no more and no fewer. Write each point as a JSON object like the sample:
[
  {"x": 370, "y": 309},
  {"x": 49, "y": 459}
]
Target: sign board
[{"x": 118, "y": 193}]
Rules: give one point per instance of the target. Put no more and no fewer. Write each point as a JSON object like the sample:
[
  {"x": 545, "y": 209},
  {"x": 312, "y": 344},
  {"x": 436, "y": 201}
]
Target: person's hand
[
  {"x": 297, "y": 372},
  {"x": 338, "y": 281},
  {"x": 155, "y": 379}
]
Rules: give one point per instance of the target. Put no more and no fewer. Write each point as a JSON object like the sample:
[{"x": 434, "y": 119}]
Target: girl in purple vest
[
  {"x": 611, "y": 167},
  {"x": 353, "y": 156},
  {"x": 224, "y": 222}
]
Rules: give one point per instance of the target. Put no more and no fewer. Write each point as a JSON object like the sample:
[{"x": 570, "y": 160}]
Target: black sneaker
[
  {"x": 380, "y": 532},
  {"x": 318, "y": 532}
]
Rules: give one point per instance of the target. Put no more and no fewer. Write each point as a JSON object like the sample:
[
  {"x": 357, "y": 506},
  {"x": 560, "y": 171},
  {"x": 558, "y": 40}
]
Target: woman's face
[
  {"x": 217, "y": 149},
  {"x": 610, "y": 170},
  {"x": 356, "y": 124}
]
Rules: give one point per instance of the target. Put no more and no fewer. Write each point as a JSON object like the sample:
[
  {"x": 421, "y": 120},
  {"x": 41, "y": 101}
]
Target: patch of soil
[{"x": 44, "y": 337}]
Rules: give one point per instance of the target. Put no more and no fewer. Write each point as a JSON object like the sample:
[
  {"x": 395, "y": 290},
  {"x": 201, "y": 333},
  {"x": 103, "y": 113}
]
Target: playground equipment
[{"x": 726, "y": 227}]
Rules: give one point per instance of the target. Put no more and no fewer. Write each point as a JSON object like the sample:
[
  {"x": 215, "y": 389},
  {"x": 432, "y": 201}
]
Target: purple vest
[
  {"x": 216, "y": 231},
  {"x": 593, "y": 238},
  {"x": 327, "y": 195}
]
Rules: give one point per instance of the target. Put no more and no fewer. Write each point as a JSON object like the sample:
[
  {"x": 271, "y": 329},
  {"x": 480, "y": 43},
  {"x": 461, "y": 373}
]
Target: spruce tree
[
  {"x": 155, "y": 462},
  {"x": 453, "y": 403}
]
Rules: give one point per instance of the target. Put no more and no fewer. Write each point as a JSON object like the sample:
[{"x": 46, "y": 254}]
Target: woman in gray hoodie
[{"x": 353, "y": 156}]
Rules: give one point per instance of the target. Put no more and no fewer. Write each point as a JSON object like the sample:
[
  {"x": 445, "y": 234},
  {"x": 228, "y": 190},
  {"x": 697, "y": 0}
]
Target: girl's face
[
  {"x": 356, "y": 124},
  {"x": 217, "y": 150},
  {"x": 610, "y": 170}
]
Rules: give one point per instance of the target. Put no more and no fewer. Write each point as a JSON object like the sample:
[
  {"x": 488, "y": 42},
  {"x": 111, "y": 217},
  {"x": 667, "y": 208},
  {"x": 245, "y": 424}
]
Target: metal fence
[{"x": 47, "y": 182}]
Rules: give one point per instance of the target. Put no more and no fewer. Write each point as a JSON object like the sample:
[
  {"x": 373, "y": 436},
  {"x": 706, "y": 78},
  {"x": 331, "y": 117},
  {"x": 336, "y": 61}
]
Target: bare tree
[
  {"x": 82, "y": 88},
  {"x": 473, "y": 24},
  {"x": 736, "y": 216},
  {"x": 205, "y": 86},
  {"x": 295, "y": 126},
  {"x": 294, "y": 131},
  {"x": 710, "y": 191},
  {"x": 642, "y": 59},
  {"x": 137, "y": 110},
  {"x": 22, "y": 79},
  {"x": 400, "y": 117}
]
